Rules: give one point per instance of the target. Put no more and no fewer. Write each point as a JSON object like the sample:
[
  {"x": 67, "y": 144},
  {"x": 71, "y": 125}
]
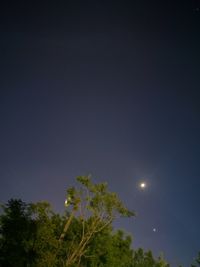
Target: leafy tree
[
  {"x": 109, "y": 249},
  {"x": 32, "y": 235},
  {"x": 17, "y": 230},
  {"x": 49, "y": 226},
  {"x": 146, "y": 259},
  {"x": 29, "y": 234},
  {"x": 196, "y": 261},
  {"x": 95, "y": 208}
]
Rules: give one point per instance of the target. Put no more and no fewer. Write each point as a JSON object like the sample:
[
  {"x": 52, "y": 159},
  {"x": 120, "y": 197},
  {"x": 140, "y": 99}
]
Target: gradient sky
[{"x": 110, "y": 89}]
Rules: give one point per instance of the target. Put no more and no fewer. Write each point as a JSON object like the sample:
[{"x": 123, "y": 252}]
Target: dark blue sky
[{"x": 110, "y": 89}]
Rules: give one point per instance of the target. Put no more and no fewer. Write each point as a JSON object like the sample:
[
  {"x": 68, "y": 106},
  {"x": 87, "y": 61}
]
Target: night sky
[{"x": 111, "y": 89}]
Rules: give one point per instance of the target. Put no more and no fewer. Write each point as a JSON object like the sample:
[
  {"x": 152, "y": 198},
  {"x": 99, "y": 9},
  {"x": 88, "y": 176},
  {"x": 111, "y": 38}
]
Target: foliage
[
  {"x": 109, "y": 249},
  {"x": 29, "y": 234},
  {"x": 32, "y": 235},
  {"x": 49, "y": 226},
  {"x": 146, "y": 259},
  {"x": 196, "y": 261},
  {"x": 95, "y": 208},
  {"x": 17, "y": 231}
]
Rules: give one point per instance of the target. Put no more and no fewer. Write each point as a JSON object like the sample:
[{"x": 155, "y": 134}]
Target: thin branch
[{"x": 67, "y": 226}]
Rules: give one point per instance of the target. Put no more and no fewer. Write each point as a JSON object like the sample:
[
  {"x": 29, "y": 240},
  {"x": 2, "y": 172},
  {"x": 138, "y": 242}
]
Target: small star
[
  {"x": 154, "y": 230},
  {"x": 196, "y": 10}
]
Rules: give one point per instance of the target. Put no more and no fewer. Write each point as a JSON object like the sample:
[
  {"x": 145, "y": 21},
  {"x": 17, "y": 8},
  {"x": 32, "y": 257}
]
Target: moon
[{"x": 143, "y": 185}]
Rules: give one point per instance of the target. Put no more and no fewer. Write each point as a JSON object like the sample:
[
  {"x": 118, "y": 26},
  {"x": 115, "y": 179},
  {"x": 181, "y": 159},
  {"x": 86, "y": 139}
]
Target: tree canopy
[{"x": 33, "y": 235}]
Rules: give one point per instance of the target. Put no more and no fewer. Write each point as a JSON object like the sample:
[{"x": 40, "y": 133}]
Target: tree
[
  {"x": 95, "y": 208},
  {"x": 146, "y": 259},
  {"x": 49, "y": 226},
  {"x": 29, "y": 234},
  {"x": 32, "y": 235},
  {"x": 109, "y": 249},
  {"x": 196, "y": 261},
  {"x": 17, "y": 230}
]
